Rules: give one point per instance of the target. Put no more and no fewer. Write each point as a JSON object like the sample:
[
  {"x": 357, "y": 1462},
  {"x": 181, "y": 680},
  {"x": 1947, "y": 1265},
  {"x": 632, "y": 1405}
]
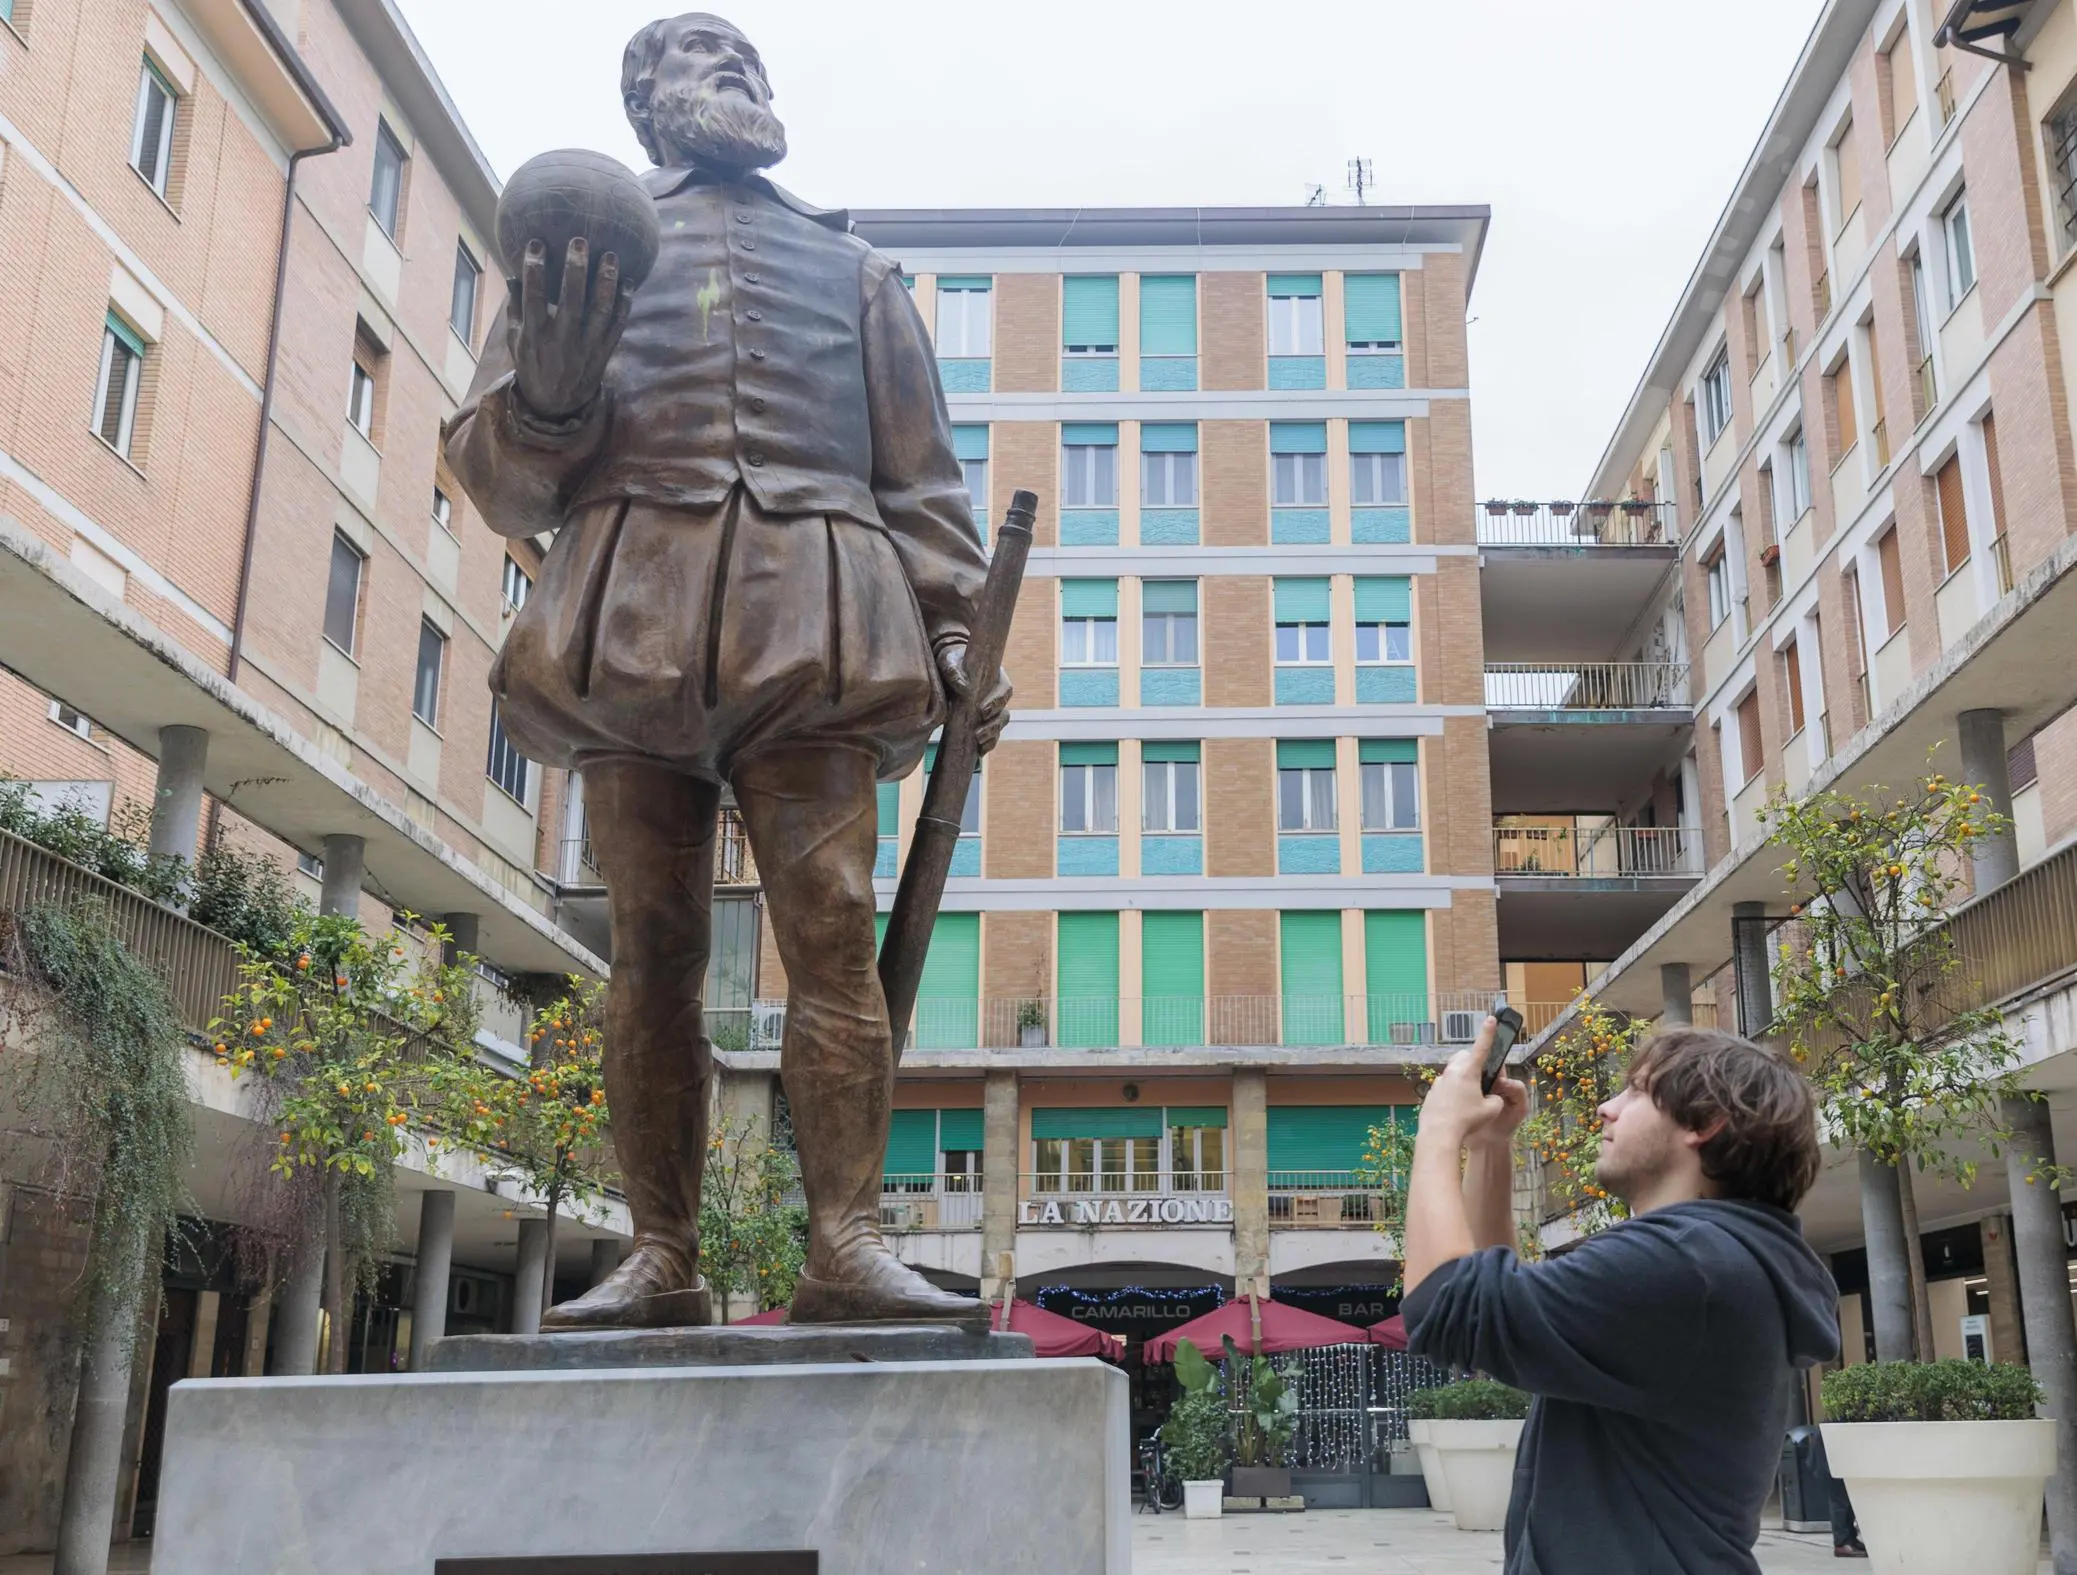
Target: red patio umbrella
[
  {"x": 1391, "y": 1334},
  {"x": 769, "y": 1315},
  {"x": 1051, "y": 1334},
  {"x": 1284, "y": 1328}
]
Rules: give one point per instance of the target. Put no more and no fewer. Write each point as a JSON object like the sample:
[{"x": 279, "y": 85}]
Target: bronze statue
[{"x": 764, "y": 576}]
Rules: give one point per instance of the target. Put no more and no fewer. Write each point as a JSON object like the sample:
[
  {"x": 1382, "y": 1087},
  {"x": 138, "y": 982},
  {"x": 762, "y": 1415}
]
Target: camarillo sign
[{"x": 1197, "y": 1210}]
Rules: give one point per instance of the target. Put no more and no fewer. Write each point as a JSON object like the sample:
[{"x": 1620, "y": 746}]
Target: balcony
[
  {"x": 1588, "y": 887},
  {"x": 1554, "y": 578},
  {"x": 1565, "y": 734},
  {"x": 1601, "y": 688},
  {"x": 734, "y": 863},
  {"x": 1323, "y": 1200},
  {"x": 917, "y": 1202}
]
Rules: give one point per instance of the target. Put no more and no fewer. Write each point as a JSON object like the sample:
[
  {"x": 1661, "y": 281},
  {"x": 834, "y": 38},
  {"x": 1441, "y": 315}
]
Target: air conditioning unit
[
  {"x": 767, "y": 1024},
  {"x": 1459, "y": 1028},
  {"x": 1411, "y": 1033}
]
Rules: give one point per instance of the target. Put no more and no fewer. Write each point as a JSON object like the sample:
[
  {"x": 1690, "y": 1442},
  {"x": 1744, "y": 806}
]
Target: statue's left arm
[{"x": 917, "y": 483}]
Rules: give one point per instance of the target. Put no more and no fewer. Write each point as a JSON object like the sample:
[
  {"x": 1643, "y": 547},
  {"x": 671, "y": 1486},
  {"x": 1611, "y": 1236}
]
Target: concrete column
[
  {"x": 202, "y": 1349},
  {"x": 2044, "y": 1296},
  {"x": 346, "y": 868},
  {"x": 1250, "y": 1168},
  {"x": 1755, "y": 989},
  {"x": 2008, "y": 1341},
  {"x": 1676, "y": 996},
  {"x": 435, "y": 1261},
  {"x": 530, "y": 1277},
  {"x": 259, "y": 1314},
  {"x": 605, "y": 1258},
  {"x": 1889, "y": 1274},
  {"x": 93, "y": 1467},
  {"x": 999, "y": 1172},
  {"x": 1983, "y": 768},
  {"x": 176, "y": 800},
  {"x": 295, "y": 1351},
  {"x": 462, "y": 930}
]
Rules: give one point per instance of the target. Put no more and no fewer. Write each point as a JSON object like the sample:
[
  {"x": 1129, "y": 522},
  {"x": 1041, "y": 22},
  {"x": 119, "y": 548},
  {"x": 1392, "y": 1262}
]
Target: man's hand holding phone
[{"x": 1459, "y": 1104}]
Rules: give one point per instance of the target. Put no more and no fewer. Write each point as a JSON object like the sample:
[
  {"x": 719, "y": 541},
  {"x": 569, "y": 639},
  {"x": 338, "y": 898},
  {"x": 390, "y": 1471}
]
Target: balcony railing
[
  {"x": 1322, "y": 1200},
  {"x": 1928, "y": 384},
  {"x": 1880, "y": 433},
  {"x": 1943, "y": 95},
  {"x": 1597, "y": 852},
  {"x": 2001, "y": 560},
  {"x": 1586, "y": 686},
  {"x": 923, "y": 1201},
  {"x": 734, "y": 864},
  {"x": 1410, "y": 1021},
  {"x": 1633, "y": 523}
]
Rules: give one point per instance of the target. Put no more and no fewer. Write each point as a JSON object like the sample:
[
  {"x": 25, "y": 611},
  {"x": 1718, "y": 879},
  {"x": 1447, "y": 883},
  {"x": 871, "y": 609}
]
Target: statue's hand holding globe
[{"x": 578, "y": 234}]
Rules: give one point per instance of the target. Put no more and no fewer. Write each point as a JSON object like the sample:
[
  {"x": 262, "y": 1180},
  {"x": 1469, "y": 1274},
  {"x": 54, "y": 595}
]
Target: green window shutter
[
  {"x": 959, "y": 1131},
  {"x": 1171, "y": 949},
  {"x": 1099, "y": 433},
  {"x": 1310, "y": 947},
  {"x": 958, "y": 281},
  {"x": 1294, "y": 284},
  {"x": 1168, "y": 314},
  {"x": 912, "y": 1143},
  {"x": 908, "y": 284},
  {"x": 879, "y": 932},
  {"x": 1087, "y": 974},
  {"x": 1161, "y": 749},
  {"x": 1322, "y": 1137},
  {"x": 1371, "y": 307},
  {"x": 1294, "y": 753},
  {"x": 127, "y": 335},
  {"x": 970, "y": 442},
  {"x": 1168, "y": 437},
  {"x": 1388, "y": 751},
  {"x": 1168, "y": 596},
  {"x": 1298, "y": 437},
  {"x": 1377, "y": 437},
  {"x": 1088, "y": 598},
  {"x": 1089, "y": 309},
  {"x": 1303, "y": 600},
  {"x": 1383, "y": 598},
  {"x": 1395, "y": 967},
  {"x": 888, "y": 795},
  {"x": 1121, "y": 1121},
  {"x": 1196, "y": 1115},
  {"x": 1088, "y": 754},
  {"x": 948, "y": 1001}
]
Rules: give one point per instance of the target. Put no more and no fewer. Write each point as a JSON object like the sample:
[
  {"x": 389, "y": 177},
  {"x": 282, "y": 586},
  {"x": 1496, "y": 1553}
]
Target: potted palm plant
[
  {"x": 1193, "y": 1439},
  {"x": 1267, "y": 1418},
  {"x": 1474, "y": 1427},
  {"x": 1946, "y": 1462}
]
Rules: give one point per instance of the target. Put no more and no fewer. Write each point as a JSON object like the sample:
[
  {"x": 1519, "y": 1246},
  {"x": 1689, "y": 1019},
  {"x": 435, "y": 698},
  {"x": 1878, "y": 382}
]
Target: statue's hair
[{"x": 638, "y": 73}]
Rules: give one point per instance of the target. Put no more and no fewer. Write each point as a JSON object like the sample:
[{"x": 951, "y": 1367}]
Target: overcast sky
[{"x": 1604, "y": 135}]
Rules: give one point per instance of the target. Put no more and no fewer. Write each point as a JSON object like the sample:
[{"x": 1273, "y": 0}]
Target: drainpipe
[{"x": 1953, "y": 34}]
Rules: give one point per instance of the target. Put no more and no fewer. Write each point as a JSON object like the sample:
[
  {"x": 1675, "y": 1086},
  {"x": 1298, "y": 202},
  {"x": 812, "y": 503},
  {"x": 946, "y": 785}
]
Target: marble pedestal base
[{"x": 1015, "y": 1467}]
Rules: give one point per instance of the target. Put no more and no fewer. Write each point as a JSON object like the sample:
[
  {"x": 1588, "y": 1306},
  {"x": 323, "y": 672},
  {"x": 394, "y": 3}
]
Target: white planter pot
[
  {"x": 1431, "y": 1464},
  {"x": 1204, "y": 1500},
  {"x": 1477, "y": 1463},
  {"x": 1940, "y": 1496}
]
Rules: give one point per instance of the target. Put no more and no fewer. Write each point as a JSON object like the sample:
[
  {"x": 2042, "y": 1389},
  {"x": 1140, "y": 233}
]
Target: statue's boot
[
  {"x": 865, "y": 1283},
  {"x": 656, "y": 1288}
]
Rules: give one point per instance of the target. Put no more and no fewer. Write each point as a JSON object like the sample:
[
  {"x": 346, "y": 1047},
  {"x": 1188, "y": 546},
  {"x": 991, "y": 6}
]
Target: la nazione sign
[{"x": 1067, "y": 1212}]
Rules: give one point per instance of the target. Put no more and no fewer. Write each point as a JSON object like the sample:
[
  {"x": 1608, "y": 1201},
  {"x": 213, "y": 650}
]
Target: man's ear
[{"x": 1695, "y": 1137}]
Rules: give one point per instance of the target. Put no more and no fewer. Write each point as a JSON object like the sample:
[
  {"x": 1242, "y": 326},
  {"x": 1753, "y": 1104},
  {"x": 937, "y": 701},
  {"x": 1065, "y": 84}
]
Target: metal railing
[
  {"x": 1409, "y": 1020},
  {"x": 1928, "y": 383},
  {"x": 1822, "y": 289},
  {"x": 1943, "y": 95},
  {"x": 734, "y": 863},
  {"x": 1322, "y": 1200},
  {"x": 1586, "y": 686},
  {"x": 911, "y": 1201},
  {"x": 1880, "y": 434},
  {"x": 1597, "y": 852},
  {"x": 2021, "y": 934},
  {"x": 577, "y": 865},
  {"x": 1599, "y": 523},
  {"x": 2001, "y": 560}
]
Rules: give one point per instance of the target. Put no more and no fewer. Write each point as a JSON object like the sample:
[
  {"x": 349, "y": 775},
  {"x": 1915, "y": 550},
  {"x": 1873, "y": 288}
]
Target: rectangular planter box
[{"x": 1260, "y": 1482}]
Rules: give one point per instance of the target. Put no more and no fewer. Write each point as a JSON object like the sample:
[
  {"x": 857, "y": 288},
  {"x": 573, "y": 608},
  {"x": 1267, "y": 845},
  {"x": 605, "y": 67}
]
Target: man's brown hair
[{"x": 1763, "y": 1147}]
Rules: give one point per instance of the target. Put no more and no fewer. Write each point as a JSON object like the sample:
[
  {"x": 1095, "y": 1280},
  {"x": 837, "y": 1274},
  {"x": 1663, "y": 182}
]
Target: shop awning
[
  {"x": 1391, "y": 1334},
  {"x": 1284, "y": 1328}
]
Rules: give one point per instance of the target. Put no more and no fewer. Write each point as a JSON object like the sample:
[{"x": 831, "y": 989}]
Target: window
[
  {"x": 1954, "y": 516},
  {"x": 1168, "y": 481},
  {"x": 1994, "y": 474},
  {"x": 1168, "y": 797},
  {"x": 1089, "y": 642},
  {"x": 115, "y": 395},
  {"x": 1391, "y": 795},
  {"x": 1718, "y": 568},
  {"x": 343, "y": 594},
  {"x": 1089, "y": 798},
  {"x": 1756, "y": 334},
  {"x": 1792, "y": 681},
  {"x": 1377, "y": 479},
  {"x": 311, "y": 865},
  {"x": 2061, "y": 131},
  {"x": 1168, "y": 623},
  {"x": 1716, "y": 398},
  {"x": 1370, "y": 313},
  {"x": 75, "y": 722},
  {"x": 1889, "y": 558},
  {"x": 1305, "y": 798},
  {"x": 518, "y": 585},
  {"x": 970, "y": 445},
  {"x": 1295, "y": 322},
  {"x": 507, "y": 767},
  {"x": 1304, "y": 644},
  {"x": 360, "y": 400},
  {"x": 1961, "y": 254},
  {"x": 386, "y": 194},
  {"x": 1749, "y": 756},
  {"x": 1298, "y": 480},
  {"x": 1089, "y": 475},
  {"x": 443, "y": 511},
  {"x": 1384, "y": 642},
  {"x": 969, "y": 810},
  {"x": 963, "y": 318},
  {"x": 1197, "y": 1158},
  {"x": 425, "y": 689},
  {"x": 1839, "y": 382},
  {"x": 151, "y": 138},
  {"x": 1089, "y": 315},
  {"x": 1796, "y": 477},
  {"x": 1846, "y": 169},
  {"x": 461, "y": 306},
  {"x": 1897, "y": 84}
]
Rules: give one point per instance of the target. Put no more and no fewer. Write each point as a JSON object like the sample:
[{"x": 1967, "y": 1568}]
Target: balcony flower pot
[
  {"x": 1261, "y": 1482},
  {"x": 1771, "y": 554},
  {"x": 1635, "y": 506},
  {"x": 1431, "y": 1464},
  {"x": 1600, "y": 508},
  {"x": 1495, "y": 507},
  {"x": 1031, "y": 1036},
  {"x": 1562, "y": 509},
  {"x": 1524, "y": 507},
  {"x": 1204, "y": 1500}
]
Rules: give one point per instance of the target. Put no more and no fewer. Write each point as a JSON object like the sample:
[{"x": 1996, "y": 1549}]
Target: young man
[{"x": 1661, "y": 1351}]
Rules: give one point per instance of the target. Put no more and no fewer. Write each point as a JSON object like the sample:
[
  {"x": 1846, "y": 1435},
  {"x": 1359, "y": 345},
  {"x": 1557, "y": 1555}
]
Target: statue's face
[
  {"x": 710, "y": 101},
  {"x": 705, "y": 57}
]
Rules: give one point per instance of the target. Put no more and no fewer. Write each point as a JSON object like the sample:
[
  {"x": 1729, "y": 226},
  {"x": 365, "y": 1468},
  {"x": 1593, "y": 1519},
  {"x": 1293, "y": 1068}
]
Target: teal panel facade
[
  {"x": 887, "y": 859},
  {"x": 1308, "y": 853},
  {"x": 1305, "y": 686},
  {"x": 1171, "y": 855},
  {"x": 1298, "y": 527},
  {"x": 966, "y": 374},
  {"x": 1392, "y": 853},
  {"x": 966, "y": 856},
  {"x": 1384, "y": 525},
  {"x": 1089, "y": 374},
  {"x": 1168, "y": 527},
  {"x": 1377, "y": 371},
  {"x": 1086, "y": 856},
  {"x": 1171, "y": 686},
  {"x": 1088, "y": 527},
  {"x": 1088, "y": 686},
  {"x": 1168, "y": 374},
  {"x": 1395, "y": 685},
  {"x": 1297, "y": 371}
]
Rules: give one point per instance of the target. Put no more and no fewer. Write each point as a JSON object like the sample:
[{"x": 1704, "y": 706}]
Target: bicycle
[{"x": 1162, "y": 1491}]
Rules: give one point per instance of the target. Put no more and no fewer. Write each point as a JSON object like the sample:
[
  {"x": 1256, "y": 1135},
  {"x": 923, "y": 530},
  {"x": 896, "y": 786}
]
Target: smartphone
[{"x": 1504, "y": 1037}]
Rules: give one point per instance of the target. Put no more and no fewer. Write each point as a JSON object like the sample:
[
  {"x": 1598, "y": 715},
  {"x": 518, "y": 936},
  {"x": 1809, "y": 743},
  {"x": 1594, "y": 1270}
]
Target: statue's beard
[{"x": 722, "y": 130}]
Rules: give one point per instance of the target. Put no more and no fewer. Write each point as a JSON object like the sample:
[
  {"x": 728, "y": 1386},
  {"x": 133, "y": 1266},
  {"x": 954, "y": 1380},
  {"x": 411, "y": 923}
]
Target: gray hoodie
[{"x": 1661, "y": 1353}]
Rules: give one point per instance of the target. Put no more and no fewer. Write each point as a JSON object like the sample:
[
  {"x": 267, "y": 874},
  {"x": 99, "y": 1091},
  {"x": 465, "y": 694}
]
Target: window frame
[
  {"x": 160, "y": 180},
  {"x": 443, "y": 509},
  {"x": 1178, "y": 473},
  {"x": 1386, "y": 633},
  {"x": 387, "y": 142},
  {"x": 1079, "y": 785},
  {"x": 116, "y": 340},
  {"x": 343, "y": 542},
  {"x": 514, "y": 569},
  {"x": 1958, "y": 248},
  {"x": 1795, "y": 470},
  {"x": 2059, "y": 133},
  {"x": 426, "y": 706},
  {"x": 1716, "y": 572},
  {"x": 1310, "y": 799},
  {"x": 360, "y": 400},
  {"x": 1396, "y": 778},
  {"x": 1091, "y": 627},
  {"x": 1170, "y": 772},
  {"x": 1288, "y": 327},
  {"x": 515, "y": 764},
  {"x": 1304, "y": 640},
  {"x": 466, "y": 267},
  {"x": 1715, "y": 388},
  {"x": 1086, "y": 475},
  {"x": 1387, "y": 467},
  {"x": 966, "y": 316},
  {"x": 1170, "y": 622},
  {"x": 974, "y": 473},
  {"x": 1301, "y": 469}
]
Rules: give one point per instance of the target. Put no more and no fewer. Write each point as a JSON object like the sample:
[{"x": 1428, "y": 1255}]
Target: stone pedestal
[{"x": 876, "y": 1466}]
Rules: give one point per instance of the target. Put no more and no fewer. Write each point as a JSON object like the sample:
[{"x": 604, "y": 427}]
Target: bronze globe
[{"x": 558, "y": 196}]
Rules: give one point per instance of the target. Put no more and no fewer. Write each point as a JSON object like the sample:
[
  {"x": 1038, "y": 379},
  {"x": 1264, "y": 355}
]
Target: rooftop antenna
[
  {"x": 1316, "y": 196},
  {"x": 1360, "y": 179}
]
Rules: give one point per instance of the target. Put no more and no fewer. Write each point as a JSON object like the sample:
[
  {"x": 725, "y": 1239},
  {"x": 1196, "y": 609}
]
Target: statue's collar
[{"x": 665, "y": 182}]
